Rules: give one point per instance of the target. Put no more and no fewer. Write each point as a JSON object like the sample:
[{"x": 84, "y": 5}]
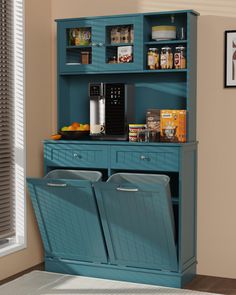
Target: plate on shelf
[
  {"x": 163, "y": 32},
  {"x": 73, "y": 63},
  {"x": 72, "y": 135},
  {"x": 163, "y": 39}
]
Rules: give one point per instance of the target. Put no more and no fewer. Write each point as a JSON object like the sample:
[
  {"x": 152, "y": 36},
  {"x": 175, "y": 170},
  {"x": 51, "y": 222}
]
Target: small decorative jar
[
  {"x": 153, "y": 59},
  {"x": 180, "y": 57},
  {"x": 166, "y": 58}
]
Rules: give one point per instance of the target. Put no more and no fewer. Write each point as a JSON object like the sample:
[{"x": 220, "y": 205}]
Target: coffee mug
[{"x": 97, "y": 129}]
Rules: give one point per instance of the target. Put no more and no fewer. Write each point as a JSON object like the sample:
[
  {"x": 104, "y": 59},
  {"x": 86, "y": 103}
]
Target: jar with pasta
[
  {"x": 180, "y": 57},
  {"x": 153, "y": 59},
  {"x": 166, "y": 58}
]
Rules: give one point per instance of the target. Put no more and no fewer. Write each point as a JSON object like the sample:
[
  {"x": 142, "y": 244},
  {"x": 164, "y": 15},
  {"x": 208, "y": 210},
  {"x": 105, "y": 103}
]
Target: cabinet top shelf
[
  {"x": 78, "y": 46},
  {"x": 118, "y": 44},
  {"x": 166, "y": 42},
  {"x": 131, "y": 15},
  {"x": 108, "y": 142},
  {"x": 160, "y": 71}
]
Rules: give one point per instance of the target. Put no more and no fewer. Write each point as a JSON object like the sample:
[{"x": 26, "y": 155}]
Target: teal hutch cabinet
[{"x": 86, "y": 228}]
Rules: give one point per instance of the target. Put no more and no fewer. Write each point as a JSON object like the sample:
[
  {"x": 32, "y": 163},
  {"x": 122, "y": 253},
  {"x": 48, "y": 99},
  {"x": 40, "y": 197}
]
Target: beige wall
[
  {"x": 217, "y": 161},
  {"x": 216, "y": 201},
  {"x": 38, "y": 121}
]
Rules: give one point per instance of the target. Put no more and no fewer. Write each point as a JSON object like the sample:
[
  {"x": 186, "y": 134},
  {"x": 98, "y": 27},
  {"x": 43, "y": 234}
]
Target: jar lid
[
  {"x": 153, "y": 48},
  {"x": 180, "y": 47},
  {"x": 137, "y": 125},
  {"x": 134, "y": 134}
]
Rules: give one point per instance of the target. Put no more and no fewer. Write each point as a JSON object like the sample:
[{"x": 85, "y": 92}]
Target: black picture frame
[{"x": 230, "y": 59}]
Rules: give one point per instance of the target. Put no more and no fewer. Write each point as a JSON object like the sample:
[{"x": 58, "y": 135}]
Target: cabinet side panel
[
  {"x": 192, "y": 76},
  {"x": 63, "y": 107},
  {"x": 188, "y": 208}
]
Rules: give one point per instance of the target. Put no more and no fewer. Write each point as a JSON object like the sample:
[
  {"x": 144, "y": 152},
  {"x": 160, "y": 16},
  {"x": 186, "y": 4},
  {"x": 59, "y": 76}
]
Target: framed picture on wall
[{"x": 230, "y": 58}]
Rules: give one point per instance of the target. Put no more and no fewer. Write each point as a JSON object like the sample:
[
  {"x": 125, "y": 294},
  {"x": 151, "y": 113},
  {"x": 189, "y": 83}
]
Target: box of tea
[
  {"x": 173, "y": 125},
  {"x": 153, "y": 119}
]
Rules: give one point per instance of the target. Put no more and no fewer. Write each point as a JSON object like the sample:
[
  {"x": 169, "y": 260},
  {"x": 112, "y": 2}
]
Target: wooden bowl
[{"x": 73, "y": 135}]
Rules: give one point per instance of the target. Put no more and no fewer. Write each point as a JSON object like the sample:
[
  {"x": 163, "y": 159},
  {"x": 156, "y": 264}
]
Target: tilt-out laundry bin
[
  {"x": 67, "y": 215},
  {"x": 137, "y": 219}
]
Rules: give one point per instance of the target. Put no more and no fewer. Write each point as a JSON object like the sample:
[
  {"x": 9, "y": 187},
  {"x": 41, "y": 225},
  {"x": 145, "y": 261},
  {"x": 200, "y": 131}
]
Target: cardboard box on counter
[{"x": 173, "y": 125}]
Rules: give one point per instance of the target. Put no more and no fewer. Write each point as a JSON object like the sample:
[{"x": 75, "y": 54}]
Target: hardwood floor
[
  {"x": 200, "y": 283},
  {"x": 36, "y": 267},
  {"x": 213, "y": 285}
]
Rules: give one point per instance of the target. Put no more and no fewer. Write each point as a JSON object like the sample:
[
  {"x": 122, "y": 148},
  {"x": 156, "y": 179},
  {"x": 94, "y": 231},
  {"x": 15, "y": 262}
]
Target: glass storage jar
[
  {"x": 166, "y": 58},
  {"x": 153, "y": 59},
  {"x": 180, "y": 57}
]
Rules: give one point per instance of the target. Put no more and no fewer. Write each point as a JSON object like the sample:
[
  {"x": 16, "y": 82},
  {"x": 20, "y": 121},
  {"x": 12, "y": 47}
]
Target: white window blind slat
[
  {"x": 5, "y": 203},
  {"x": 7, "y": 226}
]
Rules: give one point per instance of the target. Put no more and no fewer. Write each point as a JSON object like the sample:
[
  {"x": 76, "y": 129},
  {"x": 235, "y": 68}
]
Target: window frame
[{"x": 19, "y": 241}]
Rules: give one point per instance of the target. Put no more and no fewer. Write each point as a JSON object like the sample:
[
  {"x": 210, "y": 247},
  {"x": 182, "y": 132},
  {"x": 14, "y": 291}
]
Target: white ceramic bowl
[{"x": 163, "y": 32}]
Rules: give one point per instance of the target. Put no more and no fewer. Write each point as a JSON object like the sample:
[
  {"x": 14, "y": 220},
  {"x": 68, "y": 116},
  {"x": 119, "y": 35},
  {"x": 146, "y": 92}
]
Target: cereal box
[
  {"x": 173, "y": 125},
  {"x": 125, "y": 54},
  {"x": 153, "y": 119}
]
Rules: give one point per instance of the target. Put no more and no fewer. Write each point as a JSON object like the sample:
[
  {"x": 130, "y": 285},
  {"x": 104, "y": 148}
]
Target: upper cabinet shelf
[
  {"x": 165, "y": 42},
  {"x": 124, "y": 43}
]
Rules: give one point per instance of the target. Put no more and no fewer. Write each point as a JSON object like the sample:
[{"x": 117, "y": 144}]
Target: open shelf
[
  {"x": 166, "y": 71},
  {"x": 78, "y": 46},
  {"x": 119, "y": 44},
  {"x": 179, "y": 20},
  {"x": 74, "y": 55},
  {"x": 166, "y": 42}
]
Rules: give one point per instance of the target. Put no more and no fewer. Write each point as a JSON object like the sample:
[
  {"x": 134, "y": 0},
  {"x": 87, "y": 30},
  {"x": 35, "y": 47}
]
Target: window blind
[{"x": 7, "y": 177}]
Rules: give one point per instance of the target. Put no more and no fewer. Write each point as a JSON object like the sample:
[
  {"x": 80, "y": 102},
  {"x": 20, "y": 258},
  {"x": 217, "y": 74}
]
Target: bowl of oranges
[{"x": 75, "y": 131}]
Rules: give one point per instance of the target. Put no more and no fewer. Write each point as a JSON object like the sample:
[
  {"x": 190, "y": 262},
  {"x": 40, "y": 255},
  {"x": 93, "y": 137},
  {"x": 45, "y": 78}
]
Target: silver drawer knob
[
  {"x": 142, "y": 157},
  {"x": 77, "y": 156}
]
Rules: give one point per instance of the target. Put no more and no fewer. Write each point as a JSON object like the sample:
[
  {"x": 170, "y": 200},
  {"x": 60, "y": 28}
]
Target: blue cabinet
[
  {"x": 70, "y": 155},
  {"x": 97, "y": 45},
  {"x": 70, "y": 226},
  {"x": 137, "y": 219},
  {"x": 95, "y": 229},
  {"x": 148, "y": 158},
  {"x": 105, "y": 230},
  {"x": 69, "y": 54}
]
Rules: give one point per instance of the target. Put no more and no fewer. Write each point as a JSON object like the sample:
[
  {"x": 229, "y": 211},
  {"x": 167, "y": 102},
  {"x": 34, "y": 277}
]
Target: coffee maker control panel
[
  {"x": 115, "y": 93},
  {"x": 96, "y": 90}
]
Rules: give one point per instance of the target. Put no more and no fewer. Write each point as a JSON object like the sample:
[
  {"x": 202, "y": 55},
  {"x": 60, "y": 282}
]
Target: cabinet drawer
[
  {"x": 148, "y": 158},
  {"x": 71, "y": 155}
]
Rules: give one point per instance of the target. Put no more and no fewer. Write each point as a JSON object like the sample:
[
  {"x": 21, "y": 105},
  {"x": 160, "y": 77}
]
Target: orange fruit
[
  {"x": 81, "y": 128},
  {"x": 86, "y": 127},
  {"x": 56, "y": 136},
  {"x": 75, "y": 124},
  {"x": 71, "y": 128}
]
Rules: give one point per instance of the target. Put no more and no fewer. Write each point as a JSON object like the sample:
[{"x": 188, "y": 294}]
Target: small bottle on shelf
[
  {"x": 85, "y": 57},
  {"x": 112, "y": 60}
]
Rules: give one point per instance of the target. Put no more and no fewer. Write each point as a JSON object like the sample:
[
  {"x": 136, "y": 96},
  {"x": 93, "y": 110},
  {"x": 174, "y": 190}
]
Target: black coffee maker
[{"x": 111, "y": 110}]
